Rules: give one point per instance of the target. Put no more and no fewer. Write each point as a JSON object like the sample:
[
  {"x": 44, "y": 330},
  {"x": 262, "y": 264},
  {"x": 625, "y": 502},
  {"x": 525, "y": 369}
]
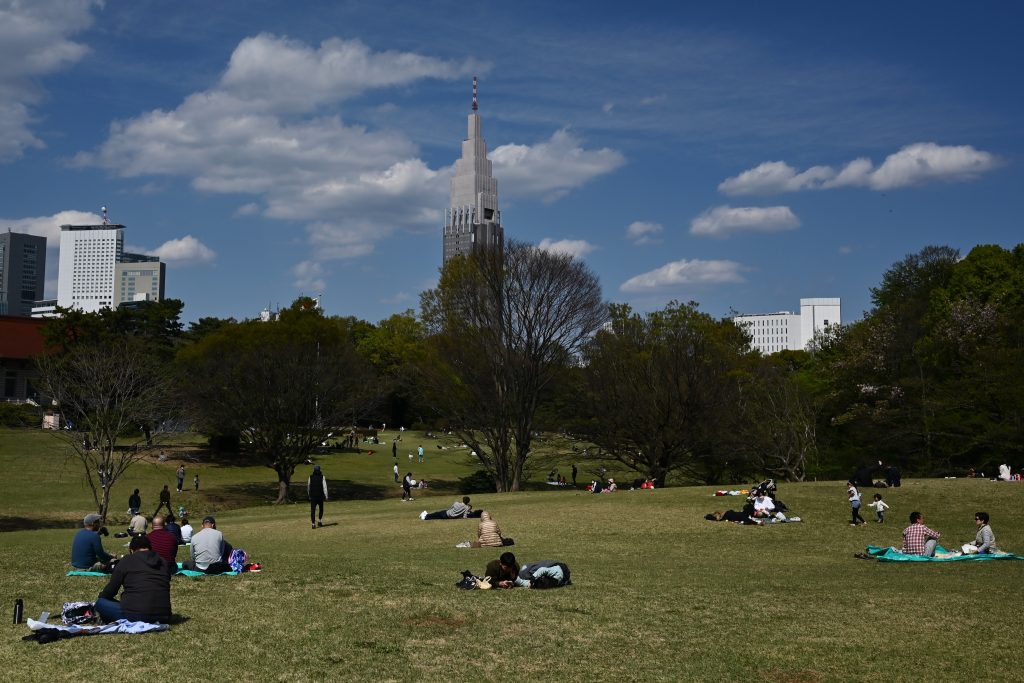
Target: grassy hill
[{"x": 659, "y": 594}]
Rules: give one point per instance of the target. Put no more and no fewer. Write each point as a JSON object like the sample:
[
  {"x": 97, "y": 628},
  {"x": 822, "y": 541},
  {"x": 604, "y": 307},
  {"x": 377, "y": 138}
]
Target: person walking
[
  {"x": 195, "y": 481},
  {"x": 181, "y": 477},
  {"x": 395, "y": 470},
  {"x": 419, "y": 452},
  {"x": 394, "y": 449},
  {"x": 574, "y": 474},
  {"x": 853, "y": 493},
  {"x": 316, "y": 488},
  {"x": 407, "y": 486}
]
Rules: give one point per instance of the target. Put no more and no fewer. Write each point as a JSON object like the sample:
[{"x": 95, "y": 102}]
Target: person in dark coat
[
  {"x": 165, "y": 499},
  {"x": 145, "y": 578},
  {"x": 316, "y": 487},
  {"x": 135, "y": 502}
]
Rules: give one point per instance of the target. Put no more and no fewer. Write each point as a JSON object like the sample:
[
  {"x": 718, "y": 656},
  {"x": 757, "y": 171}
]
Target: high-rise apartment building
[
  {"x": 96, "y": 272},
  {"x": 785, "y": 330},
  {"x": 22, "y": 272},
  {"x": 473, "y": 220},
  {"x": 89, "y": 255}
]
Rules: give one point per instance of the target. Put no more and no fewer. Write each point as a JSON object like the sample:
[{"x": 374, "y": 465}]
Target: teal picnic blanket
[
  {"x": 890, "y": 554},
  {"x": 184, "y": 572}
]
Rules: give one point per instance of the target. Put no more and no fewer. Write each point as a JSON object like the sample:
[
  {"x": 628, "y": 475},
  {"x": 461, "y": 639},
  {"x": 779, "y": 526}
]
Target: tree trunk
[{"x": 282, "y": 492}]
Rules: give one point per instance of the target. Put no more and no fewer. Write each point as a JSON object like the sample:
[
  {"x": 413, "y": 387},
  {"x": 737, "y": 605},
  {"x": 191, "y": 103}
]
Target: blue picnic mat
[
  {"x": 890, "y": 554},
  {"x": 183, "y": 572}
]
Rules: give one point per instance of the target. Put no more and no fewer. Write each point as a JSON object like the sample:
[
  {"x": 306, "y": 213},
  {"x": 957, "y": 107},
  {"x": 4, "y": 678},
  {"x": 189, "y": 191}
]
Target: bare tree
[
  {"x": 114, "y": 398},
  {"x": 504, "y": 323}
]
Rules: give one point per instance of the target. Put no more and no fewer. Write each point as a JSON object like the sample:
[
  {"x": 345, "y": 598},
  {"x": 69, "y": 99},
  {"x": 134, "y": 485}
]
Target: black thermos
[{"x": 19, "y": 609}]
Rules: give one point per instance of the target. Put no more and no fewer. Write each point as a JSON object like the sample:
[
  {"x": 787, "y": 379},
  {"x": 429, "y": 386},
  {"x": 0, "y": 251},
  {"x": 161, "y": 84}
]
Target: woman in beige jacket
[{"x": 488, "y": 534}]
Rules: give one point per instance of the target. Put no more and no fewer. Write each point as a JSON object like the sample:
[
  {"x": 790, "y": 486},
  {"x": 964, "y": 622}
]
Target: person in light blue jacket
[{"x": 543, "y": 574}]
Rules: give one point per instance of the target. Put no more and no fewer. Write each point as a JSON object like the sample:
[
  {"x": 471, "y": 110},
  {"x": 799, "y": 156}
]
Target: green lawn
[{"x": 659, "y": 593}]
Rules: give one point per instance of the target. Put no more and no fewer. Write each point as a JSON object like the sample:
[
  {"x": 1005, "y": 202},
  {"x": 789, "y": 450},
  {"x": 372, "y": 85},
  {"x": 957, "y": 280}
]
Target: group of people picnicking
[
  {"x": 761, "y": 507},
  {"x": 919, "y": 539}
]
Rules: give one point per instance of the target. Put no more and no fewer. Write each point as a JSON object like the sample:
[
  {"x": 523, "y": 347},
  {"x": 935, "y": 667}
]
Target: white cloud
[
  {"x": 34, "y": 42},
  {"x": 722, "y": 221},
  {"x": 309, "y": 276},
  {"x": 926, "y": 162},
  {"x": 845, "y": 249},
  {"x": 186, "y": 250},
  {"x": 266, "y": 128},
  {"x": 773, "y": 177},
  {"x": 915, "y": 164},
  {"x": 608, "y": 107},
  {"x": 49, "y": 226},
  {"x": 552, "y": 168},
  {"x": 575, "y": 248},
  {"x": 249, "y": 209},
  {"x": 643, "y": 232},
  {"x": 686, "y": 272}
]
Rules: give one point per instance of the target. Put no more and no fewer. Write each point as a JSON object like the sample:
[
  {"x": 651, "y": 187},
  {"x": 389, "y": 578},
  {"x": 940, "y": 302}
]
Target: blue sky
[{"x": 739, "y": 154}]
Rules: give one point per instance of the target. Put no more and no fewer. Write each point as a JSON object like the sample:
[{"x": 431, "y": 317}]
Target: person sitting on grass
[
  {"x": 543, "y": 574},
  {"x": 209, "y": 550},
  {"x": 919, "y": 539},
  {"x": 488, "y": 534},
  {"x": 163, "y": 542},
  {"x": 186, "y": 531},
  {"x": 503, "y": 571},
  {"x": 763, "y": 506},
  {"x": 87, "y": 553},
  {"x": 137, "y": 525},
  {"x": 172, "y": 526},
  {"x": 457, "y": 510},
  {"x": 146, "y": 581},
  {"x": 985, "y": 541}
]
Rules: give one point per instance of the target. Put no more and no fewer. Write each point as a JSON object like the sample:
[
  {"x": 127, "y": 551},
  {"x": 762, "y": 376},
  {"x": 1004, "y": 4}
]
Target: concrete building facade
[
  {"x": 22, "y": 272},
  {"x": 473, "y": 220},
  {"x": 139, "y": 278},
  {"x": 785, "y": 330},
  {"x": 89, "y": 255}
]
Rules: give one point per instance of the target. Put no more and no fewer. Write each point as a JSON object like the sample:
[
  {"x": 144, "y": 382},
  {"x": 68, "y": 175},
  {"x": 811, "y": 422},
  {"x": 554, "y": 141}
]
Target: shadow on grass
[{"x": 9, "y": 523}]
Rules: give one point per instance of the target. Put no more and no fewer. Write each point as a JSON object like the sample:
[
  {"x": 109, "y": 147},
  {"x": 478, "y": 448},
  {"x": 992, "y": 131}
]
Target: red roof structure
[{"x": 21, "y": 337}]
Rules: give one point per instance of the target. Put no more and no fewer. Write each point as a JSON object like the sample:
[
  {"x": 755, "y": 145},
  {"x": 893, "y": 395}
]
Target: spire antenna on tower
[{"x": 474, "y": 93}]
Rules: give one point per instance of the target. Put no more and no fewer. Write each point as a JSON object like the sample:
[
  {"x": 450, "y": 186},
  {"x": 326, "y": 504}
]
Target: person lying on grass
[
  {"x": 503, "y": 571},
  {"x": 543, "y": 574},
  {"x": 458, "y": 510}
]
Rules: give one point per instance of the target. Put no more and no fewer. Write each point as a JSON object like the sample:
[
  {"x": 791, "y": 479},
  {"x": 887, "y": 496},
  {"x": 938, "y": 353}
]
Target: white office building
[
  {"x": 786, "y": 330},
  {"x": 89, "y": 255}
]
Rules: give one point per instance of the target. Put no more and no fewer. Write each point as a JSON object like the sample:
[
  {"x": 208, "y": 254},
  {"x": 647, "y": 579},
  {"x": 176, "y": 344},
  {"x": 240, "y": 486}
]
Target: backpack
[
  {"x": 238, "y": 559},
  {"x": 78, "y": 613}
]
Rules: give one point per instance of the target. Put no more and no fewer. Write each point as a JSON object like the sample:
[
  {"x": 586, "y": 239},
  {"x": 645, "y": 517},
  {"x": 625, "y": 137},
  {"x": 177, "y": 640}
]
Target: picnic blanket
[
  {"x": 183, "y": 572},
  {"x": 891, "y": 554},
  {"x": 43, "y": 632}
]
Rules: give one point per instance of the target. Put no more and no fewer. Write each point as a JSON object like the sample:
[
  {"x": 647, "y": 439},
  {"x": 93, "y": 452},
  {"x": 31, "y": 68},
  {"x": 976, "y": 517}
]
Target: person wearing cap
[
  {"x": 316, "y": 488},
  {"x": 87, "y": 553},
  {"x": 209, "y": 549},
  {"x": 503, "y": 571},
  {"x": 144, "y": 578}
]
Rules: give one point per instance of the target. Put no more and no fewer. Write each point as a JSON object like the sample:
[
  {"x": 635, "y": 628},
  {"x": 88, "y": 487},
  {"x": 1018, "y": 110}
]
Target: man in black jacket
[
  {"x": 316, "y": 487},
  {"x": 146, "y": 580}
]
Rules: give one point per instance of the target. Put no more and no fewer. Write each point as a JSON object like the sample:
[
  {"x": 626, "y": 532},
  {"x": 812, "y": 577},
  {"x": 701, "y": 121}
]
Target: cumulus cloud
[
  {"x": 722, "y": 221},
  {"x": 270, "y": 128},
  {"x": 575, "y": 248},
  {"x": 309, "y": 276},
  {"x": 686, "y": 272},
  {"x": 34, "y": 41},
  {"x": 643, "y": 232},
  {"x": 49, "y": 226},
  {"x": 916, "y": 164},
  {"x": 551, "y": 168},
  {"x": 186, "y": 250}
]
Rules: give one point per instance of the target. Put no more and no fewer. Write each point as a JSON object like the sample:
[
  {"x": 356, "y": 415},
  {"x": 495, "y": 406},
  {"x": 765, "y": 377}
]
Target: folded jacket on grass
[{"x": 891, "y": 554}]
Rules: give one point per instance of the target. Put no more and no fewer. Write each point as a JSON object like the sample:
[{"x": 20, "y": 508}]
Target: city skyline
[{"x": 738, "y": 155}]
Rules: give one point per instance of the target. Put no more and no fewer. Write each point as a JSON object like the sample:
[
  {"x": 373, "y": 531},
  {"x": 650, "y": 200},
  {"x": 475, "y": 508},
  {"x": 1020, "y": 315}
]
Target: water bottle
[{"x": 19, "y": 609}]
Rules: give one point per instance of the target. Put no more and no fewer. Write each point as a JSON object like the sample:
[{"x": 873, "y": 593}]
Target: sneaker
[
  {"x": 313, "y": 525},
  {"x": 423, "y": 515},
  {"x": 319, "y": 523}
]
